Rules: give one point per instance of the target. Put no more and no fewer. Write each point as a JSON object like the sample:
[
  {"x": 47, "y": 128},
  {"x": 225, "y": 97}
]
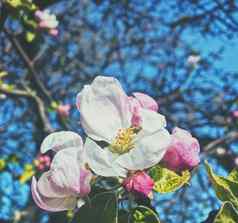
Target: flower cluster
[
  {"x": 126, "y": 136},
  {"x": 47, "y": 21}
]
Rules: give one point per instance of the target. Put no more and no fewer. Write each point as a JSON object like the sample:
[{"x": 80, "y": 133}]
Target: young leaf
[
  {"x": 30, "y": 36},
  {"x": 101, "y": 209},
  {"x": 143, "y": 214},
  {"x": 233, "y": 176},
  {"x": 227, "y": 214},
  {"x": 167, "y": 180},
  {"x": 226, "y": 189}
]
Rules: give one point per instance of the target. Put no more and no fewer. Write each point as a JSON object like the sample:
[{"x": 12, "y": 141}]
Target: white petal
[
  {"x": 65, "y": 169},
  {"x": 52, "y": 23},
  {"x": 104, "y": 108},
  {"x": 148, "y": 151},
  {"x": 61, "y": 140},
  {"x": 152, "y": 121},
  {"x": 51, "y": 204},
  {"x": 102, "y": 161}
]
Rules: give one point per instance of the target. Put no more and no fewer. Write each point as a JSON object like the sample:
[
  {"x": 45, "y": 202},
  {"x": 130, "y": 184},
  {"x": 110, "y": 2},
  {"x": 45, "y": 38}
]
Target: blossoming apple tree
[{"x": 126, "y": 142}]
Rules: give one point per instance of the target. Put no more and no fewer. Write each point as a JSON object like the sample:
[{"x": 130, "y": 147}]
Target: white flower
[
  {"x": 193, "y": 59},
  {"x": 105, "y": 116},
  {"x": 67, "y": 182}
]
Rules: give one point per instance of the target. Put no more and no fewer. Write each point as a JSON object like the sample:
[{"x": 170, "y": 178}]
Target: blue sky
[{"x": 206, "y": 45}]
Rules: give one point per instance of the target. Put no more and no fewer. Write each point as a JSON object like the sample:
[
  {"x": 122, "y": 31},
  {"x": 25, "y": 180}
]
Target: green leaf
[
  {"x": 233, "y": 176},
  {"x": 167, "y": 180},
  {"x": 227, "y": 214},
  {"x": 54, "y": 104},
  {"x": 144, "y": 214},
  {"x": 140, "y": 214},
  {"x": 3, "y": 74},
  {"x": 101, "y": 209},
  {"x": 14, "y": 3},
  {"x": 123, "y": 216},
  {"x": 226, "y": 189}
]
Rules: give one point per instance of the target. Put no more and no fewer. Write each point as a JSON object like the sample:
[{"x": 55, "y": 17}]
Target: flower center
[{"x": 124, "y": 140}]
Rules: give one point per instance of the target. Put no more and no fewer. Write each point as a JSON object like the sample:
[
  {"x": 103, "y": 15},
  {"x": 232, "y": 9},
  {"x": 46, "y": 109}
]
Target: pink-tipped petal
[
  {"x": 146, "y": 101},
  {"x": 48, "y": 189},
  {"x": 66, "y": 169},
  {"x": 136, "y": 119},
  {"x": 85, "y": 179},
  {"x": 51, "y": 204}
]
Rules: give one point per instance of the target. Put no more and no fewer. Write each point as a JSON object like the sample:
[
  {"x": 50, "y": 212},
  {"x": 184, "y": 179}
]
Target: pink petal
[
  {"x": 146, "y": 101},
  {"x": 39, "y": 14},
  {"x": 135, "y": 107},
  {"x": 85, "y": 179},
  {"x": 43, "y": 24}
]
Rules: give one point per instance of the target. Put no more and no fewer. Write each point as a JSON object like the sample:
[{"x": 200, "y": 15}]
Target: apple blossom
[
  {"x": 47, "y": 21},
  {"x": 67, "y": 182},
  {"x": 139, "y": 182},
  {"x": 183, "y": 152},
  {"x": 105, "y": 114},
  {"x": 193, "y": 59}
]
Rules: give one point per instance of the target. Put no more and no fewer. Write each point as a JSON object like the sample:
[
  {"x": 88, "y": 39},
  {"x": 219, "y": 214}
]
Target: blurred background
[{"x": 182, "y": 53}]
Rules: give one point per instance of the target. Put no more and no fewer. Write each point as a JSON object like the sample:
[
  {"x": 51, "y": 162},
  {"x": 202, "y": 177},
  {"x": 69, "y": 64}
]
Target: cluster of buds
[
  {"x": 42, "y": 162},
  {"x": 47, "y": 21}
]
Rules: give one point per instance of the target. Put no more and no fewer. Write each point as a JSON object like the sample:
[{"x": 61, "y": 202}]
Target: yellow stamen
[{"x": 124, "y": 141}]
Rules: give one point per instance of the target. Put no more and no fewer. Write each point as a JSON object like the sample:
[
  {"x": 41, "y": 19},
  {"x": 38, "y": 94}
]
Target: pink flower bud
[
  {"x": 63, "y": 110},
  {"x": 53, "y": 32},
  {"x": 183, "y": 152},
  {"x": 42, "y": 162},
  {"x": 235, "y": 114},
  {"x": 139, "y": 182}
]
